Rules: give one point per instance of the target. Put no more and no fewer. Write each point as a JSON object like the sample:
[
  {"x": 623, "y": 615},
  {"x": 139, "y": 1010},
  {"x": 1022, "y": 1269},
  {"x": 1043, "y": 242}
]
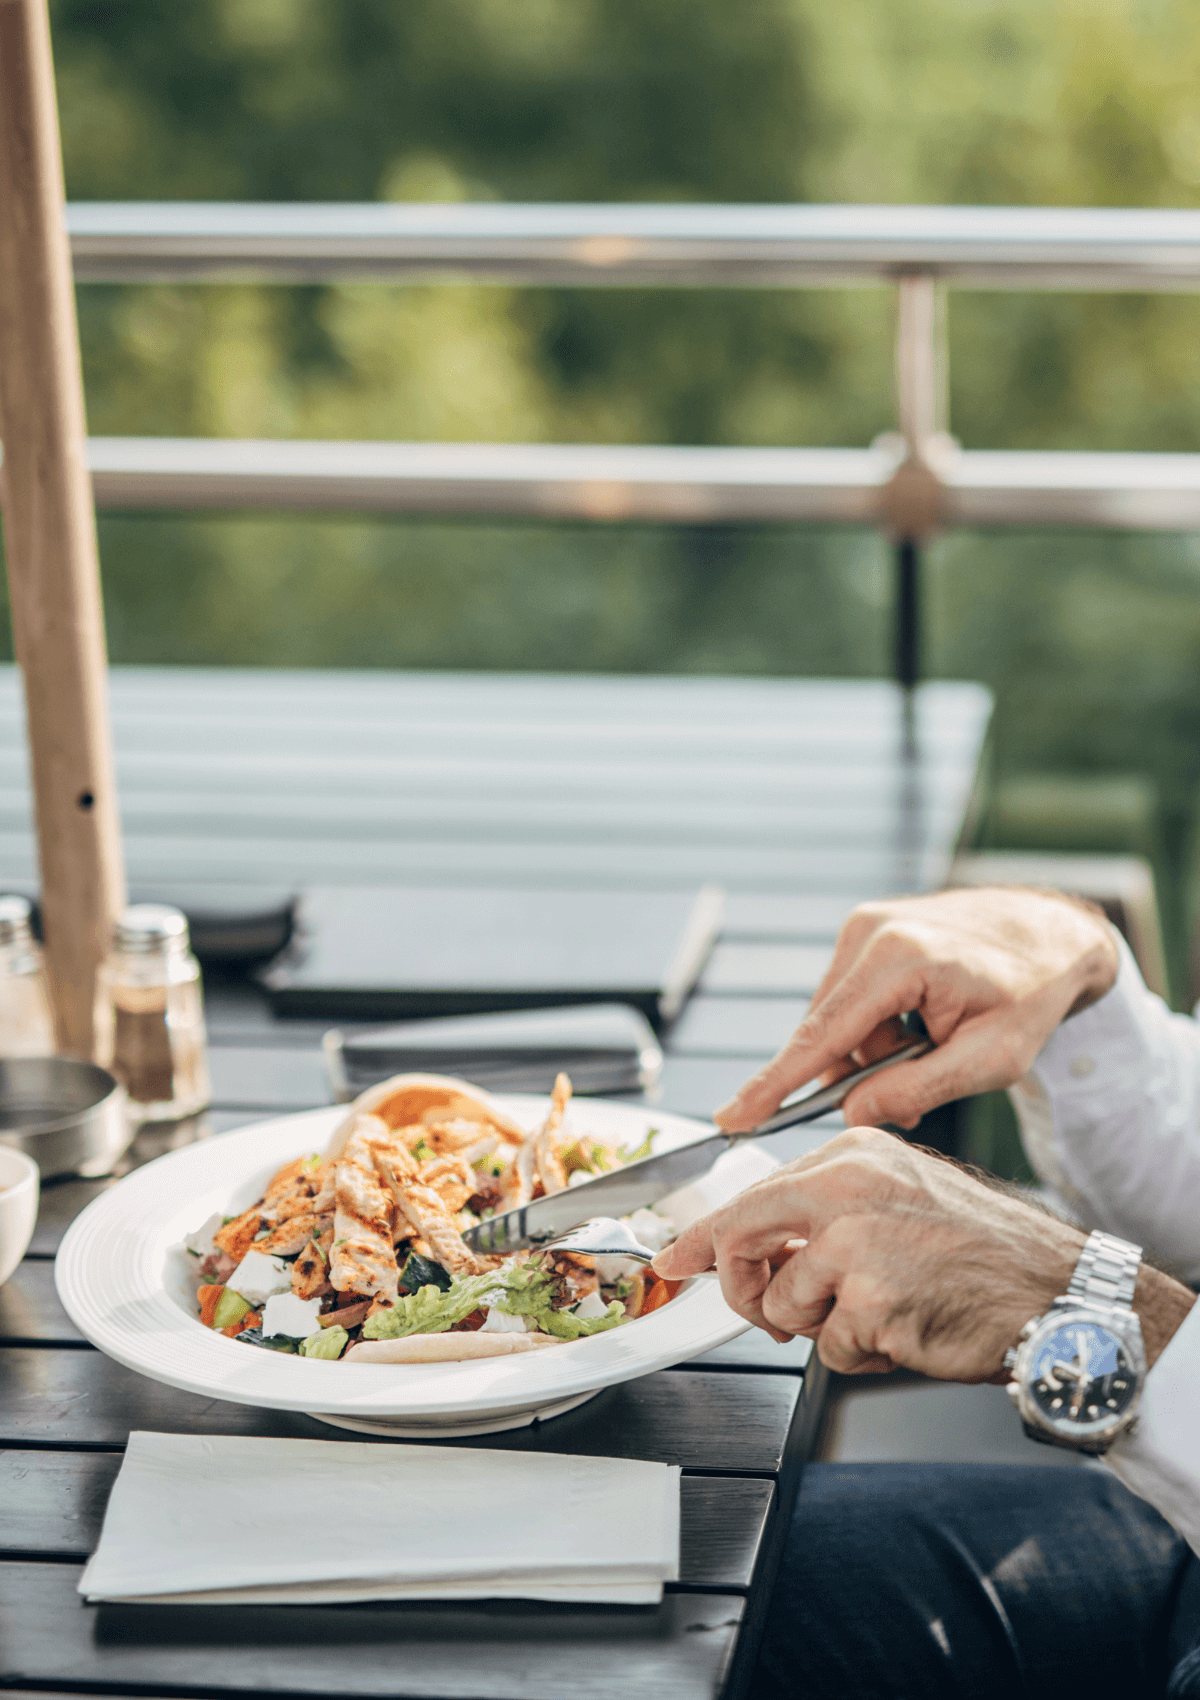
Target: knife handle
[{"x": 826, "y": 1098}]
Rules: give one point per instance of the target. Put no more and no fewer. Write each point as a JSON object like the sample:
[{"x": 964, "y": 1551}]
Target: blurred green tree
[{"x": 1092, "y": 643}]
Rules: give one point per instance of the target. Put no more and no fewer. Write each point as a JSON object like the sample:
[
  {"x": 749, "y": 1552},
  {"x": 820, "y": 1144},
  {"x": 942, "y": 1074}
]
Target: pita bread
[
  {"x": 406, "y": 1098},
  {"x": 444, "y": 1348}
]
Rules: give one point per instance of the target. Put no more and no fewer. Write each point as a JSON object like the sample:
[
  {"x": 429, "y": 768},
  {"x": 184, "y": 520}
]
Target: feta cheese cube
[
  {"x": 590, "y": 1307},
  {"x": 257, "y": 1276},
  {"x": 499, "y": 1322},
  {"x": 284, "y": 1313},
  {"x": 201, "y": 1242}
]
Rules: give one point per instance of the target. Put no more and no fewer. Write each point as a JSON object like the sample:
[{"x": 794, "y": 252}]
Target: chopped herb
[
  {"x": 226, "y": 1220},
  {"x": 319, "y": 1253},
  {"x": 313, "y": 1162},
  {"x": 339, "y": 1242},
  {"x": 423, "y": 1149}
]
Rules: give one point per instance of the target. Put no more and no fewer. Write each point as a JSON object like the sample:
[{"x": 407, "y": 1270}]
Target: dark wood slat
[
  {"x": 762, "y": 969},
  {"x": 703, "y": 1421},
  {"x": 507, "y": 1650},
  {"x": 55, "y": 1501},
  {"x": 30, "y": 1312},
  {"x": 735, "y": 1026},
  {"x": 60, "y": 1202}
]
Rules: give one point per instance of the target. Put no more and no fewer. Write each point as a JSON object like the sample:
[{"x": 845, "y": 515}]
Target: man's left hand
[
  {"x": 888, "y": 1255},
  {"x": 907, "y": 1259}
]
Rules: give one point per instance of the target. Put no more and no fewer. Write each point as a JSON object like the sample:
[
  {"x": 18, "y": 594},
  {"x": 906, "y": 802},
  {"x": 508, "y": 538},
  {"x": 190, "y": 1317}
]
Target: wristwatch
[{"x": 1079, "y": 1370}]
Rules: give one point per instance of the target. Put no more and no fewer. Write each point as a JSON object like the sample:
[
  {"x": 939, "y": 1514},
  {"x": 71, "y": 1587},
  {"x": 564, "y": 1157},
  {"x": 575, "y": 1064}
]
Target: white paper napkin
[{"x": 198, "y": 1520}]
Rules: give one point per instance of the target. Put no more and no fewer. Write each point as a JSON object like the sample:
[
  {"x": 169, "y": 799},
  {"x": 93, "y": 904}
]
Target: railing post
[
  {"x": 911, "y": 506},
  {"x": 50, "y": 532},
  {"x": 907, "y": 652}
]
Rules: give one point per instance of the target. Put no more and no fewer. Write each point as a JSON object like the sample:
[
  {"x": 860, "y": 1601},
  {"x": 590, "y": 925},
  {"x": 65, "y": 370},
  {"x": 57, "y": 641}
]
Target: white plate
[{"x": 129, "y": 1287}]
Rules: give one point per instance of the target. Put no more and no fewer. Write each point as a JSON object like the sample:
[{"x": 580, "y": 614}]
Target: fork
[{"x": 603, "y": 1236}]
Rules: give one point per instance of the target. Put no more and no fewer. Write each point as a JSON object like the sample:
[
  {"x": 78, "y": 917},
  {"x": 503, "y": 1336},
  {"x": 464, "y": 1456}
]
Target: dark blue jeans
[{"x": 964, "y": 1581}]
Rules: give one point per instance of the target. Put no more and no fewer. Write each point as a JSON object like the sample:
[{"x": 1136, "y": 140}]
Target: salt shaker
[
  {"x": 26, "y": 1021},
  {"x": 150, "y": 1015}
]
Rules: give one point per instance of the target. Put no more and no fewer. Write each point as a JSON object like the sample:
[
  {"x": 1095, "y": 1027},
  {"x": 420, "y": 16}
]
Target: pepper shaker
[
  {"x": 150, "y": 1015},
  {"x": 26, "y": 1018}
]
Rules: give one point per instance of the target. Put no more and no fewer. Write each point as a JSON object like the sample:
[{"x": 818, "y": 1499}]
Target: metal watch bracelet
[{"x": 1106, "y": 1273}]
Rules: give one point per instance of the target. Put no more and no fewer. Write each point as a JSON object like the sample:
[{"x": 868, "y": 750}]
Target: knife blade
[{"x": 621, "y": 1191}]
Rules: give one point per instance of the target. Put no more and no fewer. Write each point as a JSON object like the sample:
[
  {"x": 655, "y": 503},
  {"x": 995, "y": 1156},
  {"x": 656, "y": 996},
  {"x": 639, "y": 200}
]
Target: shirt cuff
[{"x": 1159, "y": 1458}]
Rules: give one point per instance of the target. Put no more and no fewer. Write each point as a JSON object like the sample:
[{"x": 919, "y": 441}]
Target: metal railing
[
  {"x": 769, "y": 246},
  {"x": 909, "y": 484}
]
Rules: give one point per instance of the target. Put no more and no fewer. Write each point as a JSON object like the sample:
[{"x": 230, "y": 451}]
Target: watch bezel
[{"x": 1093, "y": 1436}]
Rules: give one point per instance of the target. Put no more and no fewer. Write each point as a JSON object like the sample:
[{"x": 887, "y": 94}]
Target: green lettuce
[
  {"x": 566, "y": 1326},
  {"x": 521, "y": 1289}
]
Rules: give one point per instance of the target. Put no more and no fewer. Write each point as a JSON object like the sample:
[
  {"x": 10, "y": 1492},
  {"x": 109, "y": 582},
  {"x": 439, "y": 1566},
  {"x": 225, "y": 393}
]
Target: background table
[{"x": 801, "y": 798}]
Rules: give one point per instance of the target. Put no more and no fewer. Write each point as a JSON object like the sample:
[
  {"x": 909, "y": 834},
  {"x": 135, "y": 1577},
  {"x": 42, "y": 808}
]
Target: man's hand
[
  {"x": 992, "y": 973},
  {"x": 905, "y": 1259}
]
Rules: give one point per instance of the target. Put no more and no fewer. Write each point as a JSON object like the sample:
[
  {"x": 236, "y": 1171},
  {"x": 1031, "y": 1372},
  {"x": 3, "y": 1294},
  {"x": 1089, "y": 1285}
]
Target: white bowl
[
  {"x": 129, "y": 1287},
  {"x": 19, "y": 1187}
]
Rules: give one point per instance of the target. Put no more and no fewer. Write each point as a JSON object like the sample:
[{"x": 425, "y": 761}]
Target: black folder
[
  {"x": 389, "y": 953},
  {"x": 604, "y": 1047}
]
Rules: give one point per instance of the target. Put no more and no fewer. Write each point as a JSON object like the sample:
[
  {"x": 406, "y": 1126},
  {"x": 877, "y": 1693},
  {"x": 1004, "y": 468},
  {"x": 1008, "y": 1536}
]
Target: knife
[{"x": 621, "y": 1191}]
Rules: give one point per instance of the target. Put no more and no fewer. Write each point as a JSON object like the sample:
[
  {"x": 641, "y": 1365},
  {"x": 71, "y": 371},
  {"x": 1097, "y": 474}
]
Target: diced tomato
[
  {"x": 469, "y": 1324},
  {"x": 210, "y": 1298},
  {"x": 661, "y": 1293}
]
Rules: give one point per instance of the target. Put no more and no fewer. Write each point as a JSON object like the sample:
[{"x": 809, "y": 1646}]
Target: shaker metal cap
[
  {"x": 14, "y": 920},
  {"x": 151, "y": 926}
]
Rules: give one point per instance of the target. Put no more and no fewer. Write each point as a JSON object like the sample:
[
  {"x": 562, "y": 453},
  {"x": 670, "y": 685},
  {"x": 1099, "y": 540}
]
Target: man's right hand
[{"x": 992, "y": 972}]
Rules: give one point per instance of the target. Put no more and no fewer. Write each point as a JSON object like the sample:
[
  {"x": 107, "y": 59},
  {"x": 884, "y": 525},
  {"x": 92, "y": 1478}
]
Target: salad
[{"x": 357, "y": 1252}]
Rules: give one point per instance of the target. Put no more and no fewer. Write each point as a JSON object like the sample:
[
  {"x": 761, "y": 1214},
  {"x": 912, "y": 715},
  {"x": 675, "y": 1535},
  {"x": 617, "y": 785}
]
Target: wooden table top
[{"x": 801, "y": 798}]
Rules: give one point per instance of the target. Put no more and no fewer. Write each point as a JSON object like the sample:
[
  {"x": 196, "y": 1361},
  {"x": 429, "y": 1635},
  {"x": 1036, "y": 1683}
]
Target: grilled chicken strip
[
  {"x": 451, "y": 1178},
  {"x": 291, "y": 1236},
  {"x": 516, "y": 1184},
  {"x": 548, "y": 1152},
  {"x": 362, "y": 1259},
  {"x": 430, "y": 1220},
  {"x": 236, "y": 1237},
  {"x": 310, "y": 1274},
  {"x": 454, "y": 1135}
]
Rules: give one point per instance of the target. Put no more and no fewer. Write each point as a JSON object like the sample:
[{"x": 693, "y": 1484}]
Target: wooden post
[{"x": 50, "y": 532}]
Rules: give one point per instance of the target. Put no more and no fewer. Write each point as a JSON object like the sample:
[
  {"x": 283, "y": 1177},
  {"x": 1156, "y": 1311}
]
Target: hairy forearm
[{"x": 1161, "y": 1303}]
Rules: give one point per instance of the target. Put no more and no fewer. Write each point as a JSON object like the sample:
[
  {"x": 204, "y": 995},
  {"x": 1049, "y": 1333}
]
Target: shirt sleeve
[
  {"x": 1159, "y": 1458},
  {"x": 1110, "y": 1119}
]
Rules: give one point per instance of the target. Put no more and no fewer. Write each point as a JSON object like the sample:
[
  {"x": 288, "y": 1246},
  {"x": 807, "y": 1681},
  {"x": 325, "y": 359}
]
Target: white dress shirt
[{"x": 1110, "y": 1119}]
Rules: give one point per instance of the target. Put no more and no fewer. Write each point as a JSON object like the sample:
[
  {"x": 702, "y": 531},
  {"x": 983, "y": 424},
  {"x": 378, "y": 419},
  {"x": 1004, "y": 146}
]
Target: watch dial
[{"x": 1082, "y": 1373}]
